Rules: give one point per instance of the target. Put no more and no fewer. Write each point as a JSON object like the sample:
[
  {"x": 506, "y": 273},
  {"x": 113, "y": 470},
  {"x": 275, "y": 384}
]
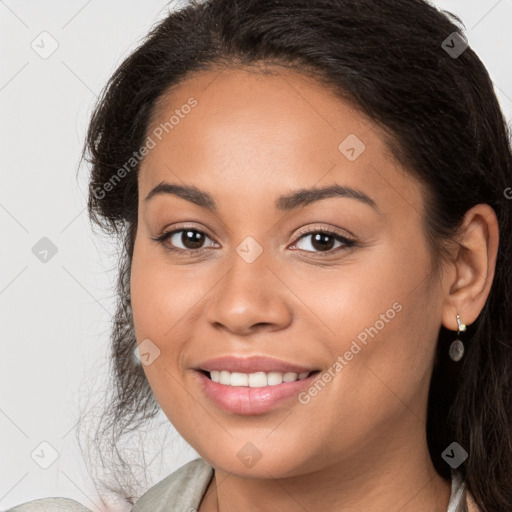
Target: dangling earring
[{"x": 457, "y": 347}]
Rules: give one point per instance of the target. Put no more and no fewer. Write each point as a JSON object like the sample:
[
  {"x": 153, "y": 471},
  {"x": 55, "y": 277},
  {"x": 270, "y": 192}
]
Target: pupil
[
  {"x": 192, "y": 239},
  {"x": 319, "y": 241}
]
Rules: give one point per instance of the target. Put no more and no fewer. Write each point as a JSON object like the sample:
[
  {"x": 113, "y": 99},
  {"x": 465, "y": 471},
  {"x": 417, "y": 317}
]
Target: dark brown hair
[{"x": 445, "y": 126}]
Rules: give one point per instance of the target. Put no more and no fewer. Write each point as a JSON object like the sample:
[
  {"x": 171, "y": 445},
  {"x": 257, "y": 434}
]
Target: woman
[{"x": 312, "y": 198}]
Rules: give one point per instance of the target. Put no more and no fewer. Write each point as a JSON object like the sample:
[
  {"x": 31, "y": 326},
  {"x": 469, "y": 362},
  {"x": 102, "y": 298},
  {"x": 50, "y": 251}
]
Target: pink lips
[
  {"x": 244, "y": 399},
  {"x": 251, "y": 364}
]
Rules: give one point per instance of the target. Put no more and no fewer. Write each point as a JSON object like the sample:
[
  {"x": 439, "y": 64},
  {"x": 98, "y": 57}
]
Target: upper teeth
[{"x": 254, "y": 380}]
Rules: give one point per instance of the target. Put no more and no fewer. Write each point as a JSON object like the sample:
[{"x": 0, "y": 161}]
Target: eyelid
[
  {"x": 185, "y": 226},
  {"x": 308, "y": 230}
]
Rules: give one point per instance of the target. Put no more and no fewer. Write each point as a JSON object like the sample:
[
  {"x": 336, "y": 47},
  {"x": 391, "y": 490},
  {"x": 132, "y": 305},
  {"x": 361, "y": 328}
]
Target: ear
[{"x": 469, "y": 278}]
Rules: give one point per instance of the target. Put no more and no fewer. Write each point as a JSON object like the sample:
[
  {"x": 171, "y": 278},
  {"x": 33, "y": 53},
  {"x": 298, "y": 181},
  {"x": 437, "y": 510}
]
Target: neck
[{"x": 396, "y": 474}]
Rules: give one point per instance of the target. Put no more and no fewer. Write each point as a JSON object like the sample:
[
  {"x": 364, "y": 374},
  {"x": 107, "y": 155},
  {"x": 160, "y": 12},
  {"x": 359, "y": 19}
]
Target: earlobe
[{"x": 474, "y": 266}]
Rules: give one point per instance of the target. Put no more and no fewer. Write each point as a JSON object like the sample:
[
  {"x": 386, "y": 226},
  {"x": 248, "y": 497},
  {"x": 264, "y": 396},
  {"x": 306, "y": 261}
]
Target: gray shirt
[{"x": 183, "y": 490}]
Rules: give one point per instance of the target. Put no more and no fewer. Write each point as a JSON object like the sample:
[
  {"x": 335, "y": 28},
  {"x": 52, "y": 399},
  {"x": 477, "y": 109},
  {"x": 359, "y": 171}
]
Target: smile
[
  {"x": 253, "y": 393},
  {"x": 257, "y": 379}
]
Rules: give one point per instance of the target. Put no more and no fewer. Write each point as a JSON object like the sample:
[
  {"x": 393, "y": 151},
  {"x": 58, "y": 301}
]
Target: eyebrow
[{"x": 298, "y": 198}]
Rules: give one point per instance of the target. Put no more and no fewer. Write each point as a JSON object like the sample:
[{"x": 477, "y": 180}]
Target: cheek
[
  {"x": 154, "y": 314},
  {"x": 166, "y": 304},
  {"x": 383, "y": 322},
  {"x": 160, "y": 296}
]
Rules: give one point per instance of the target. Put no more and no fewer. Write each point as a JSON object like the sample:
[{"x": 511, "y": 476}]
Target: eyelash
[{"x": 348, "y": 243}]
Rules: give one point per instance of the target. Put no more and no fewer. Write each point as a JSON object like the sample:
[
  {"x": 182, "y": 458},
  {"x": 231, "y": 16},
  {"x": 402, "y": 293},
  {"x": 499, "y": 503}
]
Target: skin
[{"x": 360, "y": 443}]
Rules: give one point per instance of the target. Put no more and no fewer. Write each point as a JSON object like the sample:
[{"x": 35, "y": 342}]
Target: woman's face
[{"x": 256, "y": 277}]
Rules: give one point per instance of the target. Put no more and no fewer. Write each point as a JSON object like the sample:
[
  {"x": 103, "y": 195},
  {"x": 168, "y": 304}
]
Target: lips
[
  {"x": 245, "y": 400},
  {"x": 248, "y": 400},
  {"x": 252, "y": 365}
]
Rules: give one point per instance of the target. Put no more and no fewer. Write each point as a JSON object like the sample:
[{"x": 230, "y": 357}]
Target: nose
[{"x": 250, "y": 297}]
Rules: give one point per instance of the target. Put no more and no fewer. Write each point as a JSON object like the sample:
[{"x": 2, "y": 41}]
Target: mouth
[
  {"x": 254, "y": 393},
  {"x": 255, "y": 384},
  {"x": 258, "y": 379}
]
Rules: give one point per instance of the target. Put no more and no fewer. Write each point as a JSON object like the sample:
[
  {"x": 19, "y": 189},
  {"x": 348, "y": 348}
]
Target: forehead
[{"x": 257, "y": 133}]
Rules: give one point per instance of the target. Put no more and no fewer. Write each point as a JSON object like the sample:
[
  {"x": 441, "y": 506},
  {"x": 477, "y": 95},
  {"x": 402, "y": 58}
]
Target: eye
[
  {"x": 191, "y": 240},
  {"x": 322, "y": 240}
]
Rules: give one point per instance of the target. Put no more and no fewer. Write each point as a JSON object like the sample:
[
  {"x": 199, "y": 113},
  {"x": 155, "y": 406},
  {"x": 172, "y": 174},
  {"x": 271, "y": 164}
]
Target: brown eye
[
  {"x": 184, "y": 240},
  {"x": 191, "y": 239},
  {"x": 323, "y": 241}
]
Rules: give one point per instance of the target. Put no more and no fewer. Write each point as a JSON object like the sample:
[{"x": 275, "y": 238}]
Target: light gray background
[{"x": 56, "y": 315}]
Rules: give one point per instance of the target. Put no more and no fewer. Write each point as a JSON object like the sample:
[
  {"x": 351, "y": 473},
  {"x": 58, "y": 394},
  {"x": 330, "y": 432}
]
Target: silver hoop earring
[{"x": 457, "y": 347}]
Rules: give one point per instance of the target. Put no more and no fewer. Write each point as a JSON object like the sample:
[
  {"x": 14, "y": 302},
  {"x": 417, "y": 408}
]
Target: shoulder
[
  {"x": 50, "y": 505},
  {"x": 181, "y": 490},
  {"x": 461, "y": 499}
]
